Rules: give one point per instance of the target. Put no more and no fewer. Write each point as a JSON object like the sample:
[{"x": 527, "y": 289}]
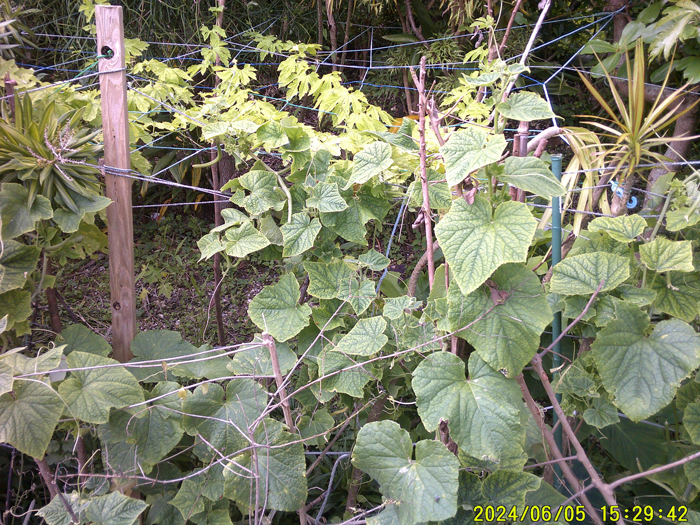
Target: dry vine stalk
[{"x": 427, "y": 213}]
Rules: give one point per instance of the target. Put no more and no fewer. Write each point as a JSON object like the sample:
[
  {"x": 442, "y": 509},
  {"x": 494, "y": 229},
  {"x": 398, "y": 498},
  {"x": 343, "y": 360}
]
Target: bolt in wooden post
[{"x": 115, "y": 125}]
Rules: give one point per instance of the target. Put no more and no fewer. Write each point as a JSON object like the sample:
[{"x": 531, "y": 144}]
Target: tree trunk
[{"x": 333, "y": 33}]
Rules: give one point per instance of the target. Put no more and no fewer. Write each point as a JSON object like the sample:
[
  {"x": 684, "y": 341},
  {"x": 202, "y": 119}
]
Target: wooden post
[{"x": 115, "y": 125}]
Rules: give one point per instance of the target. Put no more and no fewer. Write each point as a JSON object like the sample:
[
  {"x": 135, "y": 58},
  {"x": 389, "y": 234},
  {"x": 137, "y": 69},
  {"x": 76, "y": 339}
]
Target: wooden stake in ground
[{"x": 115, "y": 126}]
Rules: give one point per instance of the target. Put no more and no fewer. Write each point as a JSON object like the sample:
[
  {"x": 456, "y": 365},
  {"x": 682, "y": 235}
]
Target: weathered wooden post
[{"x": 115, "y": 125}]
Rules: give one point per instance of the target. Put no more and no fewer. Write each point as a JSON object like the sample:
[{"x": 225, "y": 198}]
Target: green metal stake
[{"x": 556, "y": 322}]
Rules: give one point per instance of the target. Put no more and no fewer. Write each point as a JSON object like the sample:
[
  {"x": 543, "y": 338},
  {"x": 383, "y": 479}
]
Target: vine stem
[
  {"x": 50, "y": 480},
  {"x": 632, "y": 477},
  {"x": 604, "y": 489},
  {"x": 573, "y": 323},
  {"x": 269, "y": 342},
  {"x": 554, "y": 449},
  {"x": 514, "y": 12},
  {"x": 422, "y": 103},
  {"x": 287, "y": 194},
  {"x": 533, "y": 36}
]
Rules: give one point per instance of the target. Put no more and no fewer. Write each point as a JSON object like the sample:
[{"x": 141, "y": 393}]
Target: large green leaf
[
  {"x": 682, "y": 298},
  {"x": 691, "y": 421},
  {"x": 643, "y": 372},
  {"x": 15, "y": 216},
  {"x": 370, "y": 162},
  {"x": 16, "y": 261},
  {"x": 6, "y": 378},
  {"x": 476, "y": 241},
  {"x": 508, "y": 488},
  {"x": 159, "y": 345},
  {"x": 91, "y": 393},
  {"x": 268, "y": 227},
  {"x": 438, "y": 191},
  {"x": 582, "y": 274},
  {"x": 262, "y": 197},
  {"x": 374, "y": 260},
  {"x": 347, "y": 223},
  {"x": 601, "y": 413},
  {"x": 299, "y": 140},
  {"x": 209, "y": 244},
  {"x": 366, "y": 337},
  {"x": 624, "y": 228},
  {"x": 69, "y": 221},
  {"x": 424, "y": 489},
  {"x": 158, "y": 430},
  {"x": 161, "y": 511},
  {"x": 279, "y": 466},
  {"x": 662, "y": 255},
  {"x": 359, "y": 293},
  {"x": 470, "y": 149},
  {"x": 484, "y": 421},
  {"x": 55, "y": 512},
  {"x": 242, "y": 240},
  {"x": 277, "y": 311},
  {"x": 79, "y": 338},
  {"x": 28, "y": 417},
  {"x": 681, "y": 219},
  {"x": 315, "y": 429},
  {"x": 394, "y": 306},
  {"x": 114, "y": 509},
  {"x": 209, "y": 363},
  {"x": 224, "y": 422},
  {"x": 194, "y": 492},
  {"x": 16, "y": 306},
  {"x": 533, "y": 175},
  {"x": 325, "y": 279},
  {"x": 344, "y": 379},
  {"x": 43, "y": 362},
  {"x": 299, "y": 234},
  {"x": 527, "y": 106},
  {"x": 326, "y": 198},
  {"x": 272, "y": 134},
  {"x": 512, "y": 311},
  {"x": 350, "y": 223},
  {"x": 635, "y": 445},
  {"x": 254, "y": 359},
  {"x": 408, "y": 332}
]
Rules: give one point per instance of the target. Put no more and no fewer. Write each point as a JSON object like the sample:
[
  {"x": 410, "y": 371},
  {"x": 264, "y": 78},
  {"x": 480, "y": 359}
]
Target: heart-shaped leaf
[
  {"x": 643, "y": 372},
  {"x": 276, "y": 309},
  {"x": 483, "y": 414},
  {"x": 624, "y": 228},
  {"x": 533, "y": 175},
  {"x": 663, "y": 255},
  {"x": 91, "y": 393},
  {"x": 370, "y": 162},
  {"x": 366, "y": 337},
  {"x": 508, "y": 314},
  {"x": 582, "y": 274},
  {"x": 299, "y": 234},
  {"x": 476, "y": 241},
  {"x": 425, "y": 489},
  {"x": 470, "y": 149}
]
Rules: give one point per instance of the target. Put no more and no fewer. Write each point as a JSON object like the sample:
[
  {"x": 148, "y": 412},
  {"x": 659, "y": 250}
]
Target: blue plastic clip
[{"x": 631, "y": 203}]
